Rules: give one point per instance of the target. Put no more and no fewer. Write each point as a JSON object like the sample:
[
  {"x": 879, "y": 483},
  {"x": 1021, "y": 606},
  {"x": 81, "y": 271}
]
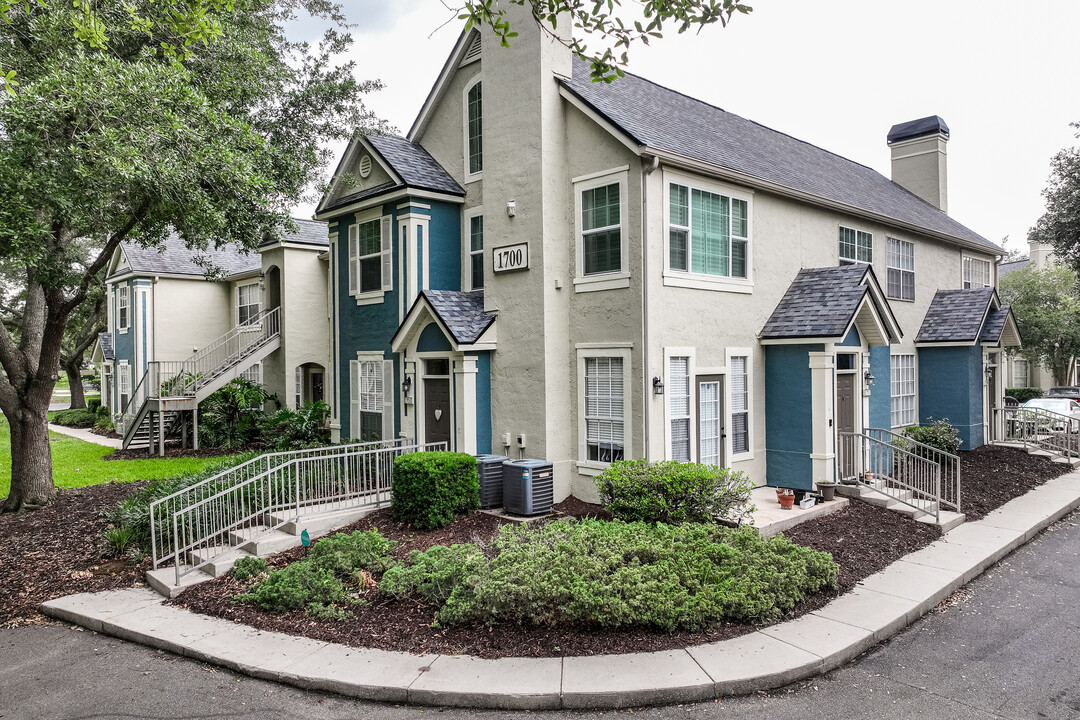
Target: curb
[{"x": 823, "y": 640}]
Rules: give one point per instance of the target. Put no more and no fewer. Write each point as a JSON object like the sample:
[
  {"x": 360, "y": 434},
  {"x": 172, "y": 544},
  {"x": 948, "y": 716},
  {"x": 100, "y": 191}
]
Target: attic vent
[
  {"x": 365, "y": 166},
  {"x": 473, "y": 53}
]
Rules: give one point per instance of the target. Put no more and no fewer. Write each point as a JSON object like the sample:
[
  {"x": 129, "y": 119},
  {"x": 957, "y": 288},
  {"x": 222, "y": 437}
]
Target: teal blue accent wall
[
  {"x": 142, "y": 323},
  {"x": 432, "y": 339},
  {"x": 880, "y": 393},
  {"x": 483, "y": 402},
  {"x": 124, "y": 342},
  {"x": 951, "y": 387},
  {"x": 444, "y": 244},
  {"x": 853, "y": 339},
  {"x": 788, "y": 416}
]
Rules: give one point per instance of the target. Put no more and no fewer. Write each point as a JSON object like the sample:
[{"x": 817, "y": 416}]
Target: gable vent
[
  {"x": 365, "y": 166},
  {"x": 473, "y": 53}
]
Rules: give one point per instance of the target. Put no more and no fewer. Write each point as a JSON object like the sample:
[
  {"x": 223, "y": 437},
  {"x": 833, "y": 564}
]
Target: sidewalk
[
  {"x": 86, "y": 435},
  {"x": 882, "y": 605}
]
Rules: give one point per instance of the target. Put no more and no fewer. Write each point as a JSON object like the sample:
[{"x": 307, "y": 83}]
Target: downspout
[
  {"x": 153, "y": 311},
  {"x": 649, "y": 165}
]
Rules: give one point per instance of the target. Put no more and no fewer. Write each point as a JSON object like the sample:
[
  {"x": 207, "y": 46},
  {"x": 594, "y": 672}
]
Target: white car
[{"x": 1058, "y": 411}]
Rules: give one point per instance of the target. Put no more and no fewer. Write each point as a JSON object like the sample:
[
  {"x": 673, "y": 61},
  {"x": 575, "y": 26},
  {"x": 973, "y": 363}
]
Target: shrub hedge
[
  {"x": 1023, "y": 394},
  {"x": 941, "y": 435},
  {"x": 77, "y": 418},
  {"x": 431, "y": 488},
  {"x": 672, "y": 492}
]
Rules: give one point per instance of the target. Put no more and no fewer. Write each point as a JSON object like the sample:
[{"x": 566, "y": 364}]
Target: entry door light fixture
[
  {"x": 868, "y": 381},
  {"x": 657, "y": 386}
]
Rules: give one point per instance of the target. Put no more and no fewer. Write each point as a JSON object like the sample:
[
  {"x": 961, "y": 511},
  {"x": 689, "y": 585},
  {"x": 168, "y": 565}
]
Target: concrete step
[
  {"x": 261, "y": 541},
  {"x": 318, "y": 520},
  {"x": 163, "y": 580},
  {"x": 946, "y": 521},
  {"x": 221, "y": 558}
]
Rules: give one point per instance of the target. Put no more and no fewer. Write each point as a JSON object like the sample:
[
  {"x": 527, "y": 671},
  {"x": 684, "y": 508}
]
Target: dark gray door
[
  {"x": 711, "y": 429},
  {"x": 991, "y": 400},
  {"x": 437, "y": 410},
  {"x": 845, "y": 423}
]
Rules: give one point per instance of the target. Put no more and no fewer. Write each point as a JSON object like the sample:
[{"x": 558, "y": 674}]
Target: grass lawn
[{"x": 77, "y": 463}]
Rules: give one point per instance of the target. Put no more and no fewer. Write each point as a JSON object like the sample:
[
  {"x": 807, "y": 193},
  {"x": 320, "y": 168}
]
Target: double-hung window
[
  {"x": 124, "y": 385},
  {"x": 1020, "y": 372},
  {"x": 474, "y": 129},
  {"x": 708, "y": 232},
  {"x": 679, "y": 407},
  {"x": 253, "y": 374},
  {"x": 900, "y": 258},
  {"x": 476, "y": 252},
  {"x": 601, "y": 230},
  {"x": 739, "y": 379},
  {"x": 122, "y": 318},
  {"x": 371, "y": 271},
  {"x": 856, "y": 245},
  {"x": 371, "y": 409},
  {"x": 976, "y": 273},
  {"x": 604, "y": 419},
  {"x": 248, "y": 303},
  {"x": 903, "y": 390}
]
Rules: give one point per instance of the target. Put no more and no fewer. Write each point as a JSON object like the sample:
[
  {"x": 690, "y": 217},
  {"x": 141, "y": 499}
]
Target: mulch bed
[
  {"x": 991, "y": 476},
  {"x": 174, "y": 451},
  {"x": 58, "y": 551}
]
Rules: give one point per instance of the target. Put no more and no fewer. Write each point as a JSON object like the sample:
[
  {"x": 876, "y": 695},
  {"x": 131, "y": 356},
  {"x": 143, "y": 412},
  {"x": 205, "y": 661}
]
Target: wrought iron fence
[{"x": 903, "y": 475}]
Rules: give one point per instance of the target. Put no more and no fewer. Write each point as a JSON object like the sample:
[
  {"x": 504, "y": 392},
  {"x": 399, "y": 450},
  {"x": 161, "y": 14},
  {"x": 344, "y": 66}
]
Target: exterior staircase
[
  {"x": 1039, "y": 432},
  {"x": 168, "y": 389},
  {"x": 903, "y": 502}
]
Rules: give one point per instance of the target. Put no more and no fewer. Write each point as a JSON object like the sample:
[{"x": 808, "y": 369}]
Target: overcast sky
[{"x": 1003, "y": 75}]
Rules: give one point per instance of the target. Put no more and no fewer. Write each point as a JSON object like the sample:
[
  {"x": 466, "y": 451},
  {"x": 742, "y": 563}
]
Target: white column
[
  {"x": 465, "y": 415},
  {"x": 822, "y": 391}
]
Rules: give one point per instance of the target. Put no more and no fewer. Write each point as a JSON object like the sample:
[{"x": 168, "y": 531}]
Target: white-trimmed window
[
  {"x": 248, "y": 303},
  {"x": 679, "y": 404},
  {"x": 900, "y": 259},
  {"x": 903, "y": 388},
  {"x": 1020, "y": 372},
  {"x": 856, "y": 245},
  {"x": 123, "y": 318},
  {"x": 371, "y": 415},
  {"x": 298, "y": 383},
  {"x": 601, "y": 207},
  {"x": 474, "y": 131},
  {"x": 739, "y": 381},
  {"x": 371, "y": 270},
  {"x": 123, "y": 384},
  {"x": 476, "y": 252},
  {"x": 976, "y": 273},
  {"x": 708, "y": 232},
  {"x": 252, "y": 374},
  {"x": 604, "y": 419}
]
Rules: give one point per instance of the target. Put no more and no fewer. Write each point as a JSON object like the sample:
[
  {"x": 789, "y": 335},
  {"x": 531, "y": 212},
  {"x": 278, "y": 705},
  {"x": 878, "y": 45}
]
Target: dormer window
[{"x": 474, "y": 127}]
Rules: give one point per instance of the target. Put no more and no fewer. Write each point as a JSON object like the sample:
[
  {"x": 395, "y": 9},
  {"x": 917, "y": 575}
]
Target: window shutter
[
  {"x": 389, "y": 390},
  {"x": 387, "y": 255},
  {"x": 354, "y": 399},
  {"x": 354, "y": 248}
]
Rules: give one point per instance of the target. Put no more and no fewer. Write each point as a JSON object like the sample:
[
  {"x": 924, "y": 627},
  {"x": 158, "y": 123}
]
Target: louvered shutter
[
  {"x": 387, "y": 255},
  {"x": 354, "y": 265},
  {"x": 389, "y": 390},
  {"x": 354, "y": 399}
]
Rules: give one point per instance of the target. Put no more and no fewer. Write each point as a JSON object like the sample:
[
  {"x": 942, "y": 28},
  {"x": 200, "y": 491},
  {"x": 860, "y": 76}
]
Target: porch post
[
  {"x": 465, "y": 391},
  {"x": 161, "y": 433},
  {"x": 195, "y": 426},
  {"x": 822, "y": 390}
]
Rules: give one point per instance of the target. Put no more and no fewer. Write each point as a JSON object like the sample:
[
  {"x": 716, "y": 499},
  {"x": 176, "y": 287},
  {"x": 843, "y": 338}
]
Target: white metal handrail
[
  {"x": 902, "y": 475},
  {"x": 949, "y": 463},
  {"x": 162, "y": 509},
  {"x": 200, "y": 531},
  {"x": 1042, "y": 429}
]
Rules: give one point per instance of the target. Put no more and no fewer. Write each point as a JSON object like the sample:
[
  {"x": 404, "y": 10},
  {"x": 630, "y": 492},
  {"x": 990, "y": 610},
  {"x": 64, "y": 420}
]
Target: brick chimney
[{"x": 919, "y": 159}]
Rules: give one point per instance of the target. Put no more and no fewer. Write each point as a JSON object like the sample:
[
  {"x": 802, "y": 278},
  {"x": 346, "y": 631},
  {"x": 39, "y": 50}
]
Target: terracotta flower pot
[{"x": 787, "y": 501}]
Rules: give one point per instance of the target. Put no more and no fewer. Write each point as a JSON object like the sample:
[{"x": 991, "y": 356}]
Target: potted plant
[
  {"x": 827, "y": 490},
  {"x": 786, "y": 497}
]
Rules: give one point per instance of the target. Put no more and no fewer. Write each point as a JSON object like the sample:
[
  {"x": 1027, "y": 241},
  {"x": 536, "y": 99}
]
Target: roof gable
[
  {"x": 174, "y": 258},
  {"x": 957, "y": 316},
  {"x": 459, "y": 314}
]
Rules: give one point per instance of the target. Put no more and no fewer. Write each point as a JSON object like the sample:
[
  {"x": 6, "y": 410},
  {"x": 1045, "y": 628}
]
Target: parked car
[
  {"x": 1057, "y": 414},
  {"x": 1071, "y": 392}
]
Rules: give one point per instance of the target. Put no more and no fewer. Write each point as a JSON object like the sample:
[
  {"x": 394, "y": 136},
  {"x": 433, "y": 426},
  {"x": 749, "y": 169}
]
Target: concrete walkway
[
  {"x": 87, "y": 436},
  {"x": 774, "y": 656}
]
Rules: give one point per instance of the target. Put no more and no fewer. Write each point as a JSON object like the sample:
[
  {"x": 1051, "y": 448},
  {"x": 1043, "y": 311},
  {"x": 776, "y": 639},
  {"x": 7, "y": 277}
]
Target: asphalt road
[{"x": 1007, "y": 647}]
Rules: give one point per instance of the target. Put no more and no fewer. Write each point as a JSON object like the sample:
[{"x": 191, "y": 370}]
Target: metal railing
[
  {"x": 949, "y": 463},
  {"x": 906, "y": 477},
  {"x": 200, "y": 532},
  {"x": 1037, "y": 428}
]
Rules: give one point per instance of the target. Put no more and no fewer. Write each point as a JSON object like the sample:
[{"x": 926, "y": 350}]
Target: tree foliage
[
  {"x": 1046, "y": 304},
  {"x": 1060, "y": 223},
  {"x": 606, "y": 22}
]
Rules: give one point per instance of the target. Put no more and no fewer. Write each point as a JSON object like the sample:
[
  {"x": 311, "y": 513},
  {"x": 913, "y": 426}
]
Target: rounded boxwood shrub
[
  {"x": 431, "y": 488},
  {"x": 1023, "y": 394},
  {"x": 672, "y": 492},
  {"x": 77, "y": 418}
]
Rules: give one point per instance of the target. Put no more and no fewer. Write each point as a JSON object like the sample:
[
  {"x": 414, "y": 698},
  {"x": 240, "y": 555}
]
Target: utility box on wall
[
  {"x": 490, "y": 469},
  {"x": 528, "y": 487}
]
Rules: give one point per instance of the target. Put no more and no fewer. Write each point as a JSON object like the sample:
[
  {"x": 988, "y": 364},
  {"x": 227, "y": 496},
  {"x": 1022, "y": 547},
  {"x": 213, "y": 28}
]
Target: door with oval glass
[{"x": 437, "y": 401}]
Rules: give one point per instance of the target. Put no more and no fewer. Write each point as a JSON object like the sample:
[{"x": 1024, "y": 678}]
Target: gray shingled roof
[
  {"x": 1007, "y": 267},
  {"x": 175, "y": 259},
  {"x": 663, "y": 119},
  {"x": 956, "y": 316},
  {"x": 819, "y": 303},
  {"x": 461, "y": 312},
  {"x": 995, "y": 324},
  {"x": 310, "y": 232},
  {"x": 917, "y": 128},
  {"x": 413, "y": 163},
  {"x": 105, "y": 340}
]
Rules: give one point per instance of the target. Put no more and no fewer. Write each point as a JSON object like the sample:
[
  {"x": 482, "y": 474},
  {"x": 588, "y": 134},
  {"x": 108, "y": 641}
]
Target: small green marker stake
[{"x": 305, "y": 539}]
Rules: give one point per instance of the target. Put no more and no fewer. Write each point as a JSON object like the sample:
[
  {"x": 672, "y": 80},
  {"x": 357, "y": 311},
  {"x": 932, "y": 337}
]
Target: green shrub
[
  {"x": 1023, "y": 394},
  {"x": 93, "y": 405},
  {"x": 118, "y": 538},
  {"x": 431, "y": 488},
  {"x": 333, "y": 613},
  {"x": 616, "y": 574},
  {"x": 292, "y": 429},
  {"x": 78, "y": 418},
  {"x": 940, "y": 435},
  {"x": 346, "y": 554},
  {"x": 232, "y": 416},
  {"x": 296, "y": 586},
  {"x": 672, "y": 492},
  {"x": 247, "y": 568}
]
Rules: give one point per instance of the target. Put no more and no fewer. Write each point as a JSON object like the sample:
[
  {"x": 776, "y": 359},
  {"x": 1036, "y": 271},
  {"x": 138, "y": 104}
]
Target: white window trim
[
  {"x": 889, "y": 267},
  {"x": 471, "y": 176},
  {"x": 990, "y": 271},
  {"x": 123, "y": 292},
  {"x": 748, "y": 353},
  {"x": 609, "y": 280},
  {"x": 674, "y": 277},
  {"x": 371, "y": 297},
  {"x": 123, "y": 377},
  {"x": 590, "y": 467},
  {"x": 354, "y": 400},
  {"x": 686, "y": 352},
  {"x": 466, "y": 247},
  {"x": 915, "y": 370},
  {"x": 236, "y": 303},
  {"x": 843, "y": 259}
]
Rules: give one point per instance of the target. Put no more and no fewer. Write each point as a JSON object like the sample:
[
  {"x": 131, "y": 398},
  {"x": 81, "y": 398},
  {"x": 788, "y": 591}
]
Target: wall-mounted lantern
[
  {"x": 868, "y": 381},
  {"x": 657, "y": 386}
]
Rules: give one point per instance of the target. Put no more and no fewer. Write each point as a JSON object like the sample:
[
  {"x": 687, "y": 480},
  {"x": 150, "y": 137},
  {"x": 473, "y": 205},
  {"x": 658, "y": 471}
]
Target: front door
[
  {"x": 710, "y": 429},
  {"x": 845, "y": 423},
  {"x": 437, "y": 410},
  {"x": 317, "y": 387},
  {"x": 991, "y": 402}
]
